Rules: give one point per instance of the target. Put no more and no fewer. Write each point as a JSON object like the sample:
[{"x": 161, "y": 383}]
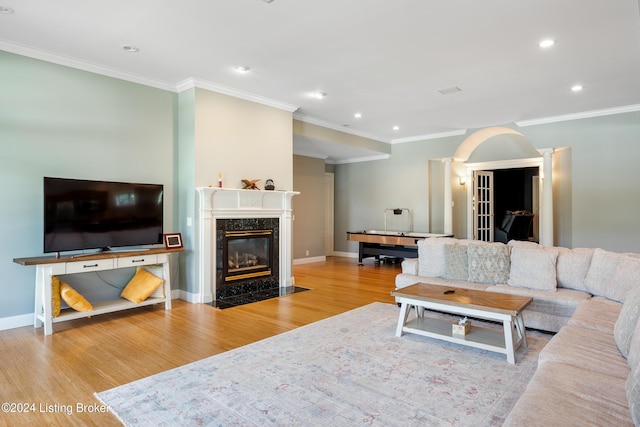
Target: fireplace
[
  {"x": 248, "y": 253},
  {"x": 255, "y": 224},
  {"x": 247, "y": 256}
]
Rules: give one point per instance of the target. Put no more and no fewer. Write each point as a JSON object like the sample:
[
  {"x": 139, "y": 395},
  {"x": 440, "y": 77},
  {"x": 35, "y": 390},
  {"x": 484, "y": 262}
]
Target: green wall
[
  {"x": 596, "y": 193},
  {"x": 63, "y": 122}
]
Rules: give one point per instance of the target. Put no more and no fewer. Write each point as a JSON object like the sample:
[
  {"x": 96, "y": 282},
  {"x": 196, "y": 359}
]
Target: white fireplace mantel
[{"x": 229, "y": 203}]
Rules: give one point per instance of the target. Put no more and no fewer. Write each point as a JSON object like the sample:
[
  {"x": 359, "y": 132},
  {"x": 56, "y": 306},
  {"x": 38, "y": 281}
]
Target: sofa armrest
[{"x": 410, "y": 266}]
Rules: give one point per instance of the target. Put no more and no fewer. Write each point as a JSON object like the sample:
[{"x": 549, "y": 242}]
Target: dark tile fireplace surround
[{"x": 229, "y": 287}]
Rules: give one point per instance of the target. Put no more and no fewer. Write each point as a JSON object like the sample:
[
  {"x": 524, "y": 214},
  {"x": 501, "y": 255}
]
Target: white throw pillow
[
  {"x": 625, "y": 278},
  {"x": 572, "y": 267},
  {"x": 431, "y": 258},
  {"x": 533, "y": 268},
  {"x": 488, "y": 263},
  {"x": 627, "y": 320},
  {"x": 603, "y": 266}
]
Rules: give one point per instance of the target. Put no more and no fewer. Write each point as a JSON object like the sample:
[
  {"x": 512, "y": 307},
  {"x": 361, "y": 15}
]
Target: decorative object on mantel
[
  {"x": 250, "y": 185},
  {"x": 269, "y": 185}
]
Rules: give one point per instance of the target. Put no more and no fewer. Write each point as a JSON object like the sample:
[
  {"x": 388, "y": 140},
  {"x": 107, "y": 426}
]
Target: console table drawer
[
  {"x": 89, "y": 265},
  {"x": 133, "y": 261}
]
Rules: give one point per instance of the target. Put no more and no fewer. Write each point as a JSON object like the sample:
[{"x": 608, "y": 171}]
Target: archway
[{"x": 501, "y": 148}]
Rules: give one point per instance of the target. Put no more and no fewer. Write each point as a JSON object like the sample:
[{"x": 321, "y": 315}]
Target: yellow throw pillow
[
  {"x": 55, "y": 296},
  {"x": 141, "y": 286},
  {"x": 74, "y": 299}
]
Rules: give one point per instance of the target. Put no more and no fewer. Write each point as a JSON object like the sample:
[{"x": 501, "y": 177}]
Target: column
[
  {"x": 546, "y": 201},
  {"x": 448, "y": 197}
]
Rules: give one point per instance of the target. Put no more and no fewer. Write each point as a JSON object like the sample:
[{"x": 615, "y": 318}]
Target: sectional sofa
[{"x": 589, "y": 373}]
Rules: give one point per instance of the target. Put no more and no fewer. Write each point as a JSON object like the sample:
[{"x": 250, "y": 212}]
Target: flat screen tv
[{"x": 83, "y": 214}]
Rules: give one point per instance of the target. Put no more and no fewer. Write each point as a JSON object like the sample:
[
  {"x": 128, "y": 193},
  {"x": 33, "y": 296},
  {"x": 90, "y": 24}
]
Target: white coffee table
[{"x": 494, "y": 306}]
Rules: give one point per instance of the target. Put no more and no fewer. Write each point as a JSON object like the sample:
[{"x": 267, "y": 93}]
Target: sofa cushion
[
  {"x": 582, "y": 347},
  {"x": 596, "y": 313},
  {"x": 410, "y": 266},
  {"x": 627, "y": 320},
  {"x": 561, "y": 394},
  {"x": 632, "y": 389},
  {"x": 456, "y": 262},
  {"x": 533, "y": 268},
  {"x": 572, "y": 267},
  {"x": 404, "y": 280},
  {"x": 626, "y": 277},
  {"x": 488, "y": 263},
  {"x": 602, "y": 268},
  {"x": 431, "y": 260}
]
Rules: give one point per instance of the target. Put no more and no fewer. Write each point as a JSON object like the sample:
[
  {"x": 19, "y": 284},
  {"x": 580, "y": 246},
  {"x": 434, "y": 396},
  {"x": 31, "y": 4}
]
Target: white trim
[
  {"x": 309, "y": 260},
  {"x": 346, "y": 254},
  {"x": 318, "y": 122},
  {"x": 67, "y": 61},
  {"x": 16, "y": 321},
  {"x": 313, "y": 154},
  {"x": 359, "y": 159},
  {"x": 429, "y": 136},
  {"x": 226, "y": 90},
  {"x": 578, "y": 116},
  {"x": 505, "y": 164}
]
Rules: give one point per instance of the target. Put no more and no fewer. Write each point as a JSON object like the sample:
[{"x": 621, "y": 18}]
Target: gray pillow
[
  {"x": 456, "y": 262},
  {"x": 489, "y": 263},
  {"x": 603, "y": 265}
]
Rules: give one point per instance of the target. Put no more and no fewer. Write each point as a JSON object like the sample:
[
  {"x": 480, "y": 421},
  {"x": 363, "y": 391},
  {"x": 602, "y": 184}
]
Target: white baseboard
[
  {"x": 16, "y": 321},
  {"x": 309, "y": 260},
  {"x": 346, "y": 254}
]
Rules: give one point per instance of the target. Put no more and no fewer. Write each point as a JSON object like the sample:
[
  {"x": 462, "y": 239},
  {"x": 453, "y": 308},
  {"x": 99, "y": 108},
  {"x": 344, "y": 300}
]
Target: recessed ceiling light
[
  {"x": 242, "y": 69},
  {"x": 357, "y": 115},
  {"x": 396, "y": 128},
  {"x": 547, "y": 43},
  {"x": 318, "y": 95},
  {"x": 132, "y": 49},
  {"x": 6, "y": 10},
  {"x": 577, "y": 88}
]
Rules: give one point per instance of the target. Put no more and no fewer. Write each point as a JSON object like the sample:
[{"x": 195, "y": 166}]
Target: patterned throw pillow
[
  {"x": 456, "y": 262},
  {"x": 489, "y": 263}
]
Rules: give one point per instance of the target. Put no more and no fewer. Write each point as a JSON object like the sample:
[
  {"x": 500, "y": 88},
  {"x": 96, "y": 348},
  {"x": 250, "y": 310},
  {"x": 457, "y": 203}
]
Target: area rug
[{"x": 347, "y": 370}]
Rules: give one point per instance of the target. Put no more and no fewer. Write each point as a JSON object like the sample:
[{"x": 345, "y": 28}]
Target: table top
[
  {"x": 460, "y": 297},
  {"x": 51, "y": 259}
]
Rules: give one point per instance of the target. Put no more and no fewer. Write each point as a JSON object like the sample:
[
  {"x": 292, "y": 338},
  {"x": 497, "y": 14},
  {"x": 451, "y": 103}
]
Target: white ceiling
[{"x": 385, "y": 59}]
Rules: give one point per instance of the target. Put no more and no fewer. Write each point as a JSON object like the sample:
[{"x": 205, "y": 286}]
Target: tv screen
[{"x": 82, "y": 214}]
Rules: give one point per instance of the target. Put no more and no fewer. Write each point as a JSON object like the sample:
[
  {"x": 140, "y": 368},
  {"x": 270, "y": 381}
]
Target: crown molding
[
  {"x": 578, "y": 116},
  {"x": 68, "y": 61},
  {"x": 191, "y": 83},
  {"x": 318, "y": 122},
  {"x": 359, "y": 159},
  {"x": 429, "y": 136}
]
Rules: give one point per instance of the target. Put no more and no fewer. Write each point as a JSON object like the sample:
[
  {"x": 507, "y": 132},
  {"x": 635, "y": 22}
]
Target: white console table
[{"x": 48, "y": 266}]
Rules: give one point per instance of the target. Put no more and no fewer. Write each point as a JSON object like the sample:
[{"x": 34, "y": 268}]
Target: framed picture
[{"x": 173, "y": 240}]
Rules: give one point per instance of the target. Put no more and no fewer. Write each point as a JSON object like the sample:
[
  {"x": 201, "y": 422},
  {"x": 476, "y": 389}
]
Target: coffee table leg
[
  {"x": 522, "y": 333},
  {"x": 402, "y": 319},
  {"x": 508, "y": 341}
]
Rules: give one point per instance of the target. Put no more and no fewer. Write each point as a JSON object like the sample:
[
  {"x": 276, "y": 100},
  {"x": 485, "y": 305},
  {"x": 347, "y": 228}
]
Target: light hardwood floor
[{"x": 45, "y": 376}]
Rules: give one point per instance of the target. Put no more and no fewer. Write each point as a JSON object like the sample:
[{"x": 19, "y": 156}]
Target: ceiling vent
[{"x": 449, "y": 90}]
